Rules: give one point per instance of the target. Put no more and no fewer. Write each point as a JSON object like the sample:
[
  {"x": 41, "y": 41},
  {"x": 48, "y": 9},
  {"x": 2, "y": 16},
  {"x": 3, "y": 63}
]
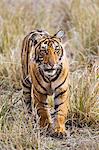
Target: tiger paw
[{"x": 59, "y": 133}]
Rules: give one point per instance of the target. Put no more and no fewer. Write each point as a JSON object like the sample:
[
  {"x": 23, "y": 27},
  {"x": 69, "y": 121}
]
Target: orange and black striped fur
[{"x": 45, "y": 72}]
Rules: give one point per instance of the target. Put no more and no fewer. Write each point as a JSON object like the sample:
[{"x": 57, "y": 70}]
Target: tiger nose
[{"x": 51, "y": 63}]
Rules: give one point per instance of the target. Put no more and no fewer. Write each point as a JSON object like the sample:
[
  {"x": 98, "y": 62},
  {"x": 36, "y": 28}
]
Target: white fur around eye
[
  {"x": 57, "y": 47},
  {"x": 54, "y": 45}
]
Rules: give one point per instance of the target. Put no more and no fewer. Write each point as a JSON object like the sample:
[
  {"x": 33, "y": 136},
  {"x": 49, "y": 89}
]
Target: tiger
[{"x": 45, "y": 72}]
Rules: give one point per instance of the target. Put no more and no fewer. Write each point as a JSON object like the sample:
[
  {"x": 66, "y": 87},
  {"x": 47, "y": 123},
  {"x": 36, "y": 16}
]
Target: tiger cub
[{"x": 45, "y": 72}]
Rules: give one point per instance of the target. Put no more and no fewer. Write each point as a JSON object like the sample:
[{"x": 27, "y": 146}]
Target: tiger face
[{"x": 49, "y": 55}]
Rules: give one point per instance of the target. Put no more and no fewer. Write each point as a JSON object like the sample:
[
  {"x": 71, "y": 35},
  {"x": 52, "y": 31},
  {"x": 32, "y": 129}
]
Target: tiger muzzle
[{"x": 51, "y": 63}]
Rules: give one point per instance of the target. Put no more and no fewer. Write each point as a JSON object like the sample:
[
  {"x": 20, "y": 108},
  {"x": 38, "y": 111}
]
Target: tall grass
[{"x": 84, "y": 97}]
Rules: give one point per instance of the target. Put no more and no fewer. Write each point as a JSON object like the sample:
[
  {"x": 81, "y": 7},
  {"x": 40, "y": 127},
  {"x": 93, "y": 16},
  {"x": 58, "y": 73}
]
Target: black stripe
[
  {"x": 62, "y": 82},
  {"x": 55, "y": 112},
  {"x": 39, "y": 30},
  {"x": 54, "y": 40},
  {"x": 56, "y": 106},
  {"x": 40, "y": 92},
  {"x": 61, "y": 93},
  {"x": 25, "y": 84},
  {"x": 42, "y": 74},
  {"x": 29, "y": 106},
  {"x": 40, "y": 83},
  {"x": 33, "y": 32},
  {"x": 61, "y": 54},
  {"x": 33, "y": 36},
  {"x": 27, "y": 80},
  {"x": 27, "y": 102},
  {"x": 57, "y": 73},
  {"x": 27, "y": 92}
]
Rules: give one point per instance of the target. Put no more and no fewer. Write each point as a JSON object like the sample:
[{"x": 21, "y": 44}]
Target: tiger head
[{"x": 49, "y": 53}]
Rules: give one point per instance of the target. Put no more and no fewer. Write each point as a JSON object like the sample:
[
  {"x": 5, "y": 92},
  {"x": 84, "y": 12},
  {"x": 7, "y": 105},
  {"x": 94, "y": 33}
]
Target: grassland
[{"x": 80, "y": 21}]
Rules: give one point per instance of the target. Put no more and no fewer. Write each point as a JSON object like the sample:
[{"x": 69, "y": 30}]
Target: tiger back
[{"x": 45, "y": 72}]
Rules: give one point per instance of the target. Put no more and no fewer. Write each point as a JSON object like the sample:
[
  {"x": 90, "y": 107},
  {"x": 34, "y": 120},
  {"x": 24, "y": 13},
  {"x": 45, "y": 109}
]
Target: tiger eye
[{"x": 42, "y": 52}]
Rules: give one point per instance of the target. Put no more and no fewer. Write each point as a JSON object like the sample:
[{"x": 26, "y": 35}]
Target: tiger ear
[{"x": 60, "y": 34}]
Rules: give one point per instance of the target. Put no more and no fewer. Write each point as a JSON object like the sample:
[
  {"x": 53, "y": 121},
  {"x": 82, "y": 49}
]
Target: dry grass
[{"x": 80, "y": 20}]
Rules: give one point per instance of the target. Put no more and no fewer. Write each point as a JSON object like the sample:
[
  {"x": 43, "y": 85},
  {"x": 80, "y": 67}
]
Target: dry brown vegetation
[{"x": 80, "y": 20}]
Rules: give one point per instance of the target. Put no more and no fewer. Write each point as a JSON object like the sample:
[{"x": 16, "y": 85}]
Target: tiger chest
[{"x": 38, "y": 82}]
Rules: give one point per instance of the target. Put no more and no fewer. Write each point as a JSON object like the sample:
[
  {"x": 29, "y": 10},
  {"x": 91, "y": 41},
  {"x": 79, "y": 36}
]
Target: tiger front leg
[
  {"x": 61, "y": 106},
  {"x": 39, "y": 100}
]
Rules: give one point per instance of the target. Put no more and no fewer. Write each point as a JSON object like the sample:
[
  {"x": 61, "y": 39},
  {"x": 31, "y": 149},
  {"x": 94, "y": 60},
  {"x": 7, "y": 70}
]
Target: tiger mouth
[{"x": 49, "y": 70}]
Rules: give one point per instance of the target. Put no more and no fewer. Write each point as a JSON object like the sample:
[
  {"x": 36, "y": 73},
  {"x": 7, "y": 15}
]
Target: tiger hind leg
[{"x": 26, "y": 86}]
